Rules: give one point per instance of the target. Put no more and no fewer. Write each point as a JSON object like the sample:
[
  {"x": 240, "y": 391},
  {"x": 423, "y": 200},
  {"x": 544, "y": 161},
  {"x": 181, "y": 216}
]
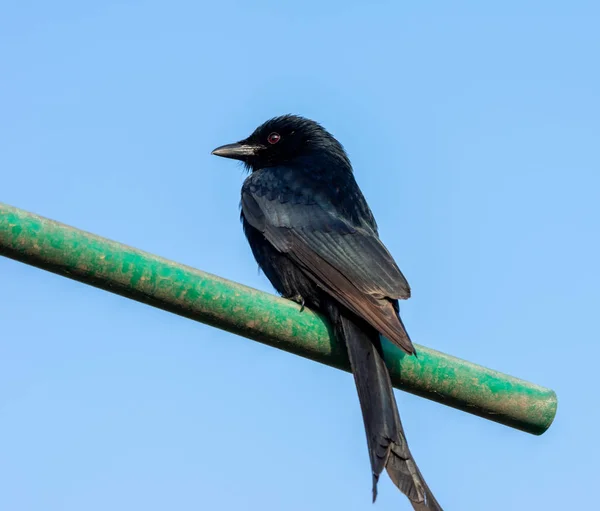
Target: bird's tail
[{"x": 385, "y": 436}]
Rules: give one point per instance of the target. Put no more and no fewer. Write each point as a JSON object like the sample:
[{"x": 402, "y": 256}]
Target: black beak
[{"x": 238, "y": 151}]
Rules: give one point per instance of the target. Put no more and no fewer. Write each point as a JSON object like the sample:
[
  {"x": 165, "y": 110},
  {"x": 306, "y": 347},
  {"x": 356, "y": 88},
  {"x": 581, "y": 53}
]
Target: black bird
[{"x": 315, "y": 238}]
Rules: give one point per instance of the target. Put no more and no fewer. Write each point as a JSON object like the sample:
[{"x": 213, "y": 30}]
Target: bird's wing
[{"x": 347, "y": 261}]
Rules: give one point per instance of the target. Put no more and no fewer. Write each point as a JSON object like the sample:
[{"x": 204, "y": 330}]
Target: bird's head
[{"x": 286, "y": 140}]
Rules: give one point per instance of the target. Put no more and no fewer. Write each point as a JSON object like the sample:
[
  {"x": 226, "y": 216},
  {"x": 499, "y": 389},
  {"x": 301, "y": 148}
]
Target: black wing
[{"x": 344, "y": 257}]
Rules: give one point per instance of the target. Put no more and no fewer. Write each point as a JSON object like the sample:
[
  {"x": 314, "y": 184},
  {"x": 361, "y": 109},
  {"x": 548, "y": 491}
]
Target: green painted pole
[{"x": 203, "y": 297}]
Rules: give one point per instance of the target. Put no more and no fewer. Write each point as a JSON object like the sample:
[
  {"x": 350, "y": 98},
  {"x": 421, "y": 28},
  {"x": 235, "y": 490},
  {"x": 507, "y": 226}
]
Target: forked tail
[{"x": 385, "y": 436}]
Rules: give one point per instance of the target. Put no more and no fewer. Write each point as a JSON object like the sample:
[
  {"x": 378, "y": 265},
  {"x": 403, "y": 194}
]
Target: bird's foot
[{"x": 299, "y": 300}]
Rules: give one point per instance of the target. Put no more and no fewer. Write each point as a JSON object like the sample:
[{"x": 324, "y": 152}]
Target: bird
[{"x": 315, "y": 238}]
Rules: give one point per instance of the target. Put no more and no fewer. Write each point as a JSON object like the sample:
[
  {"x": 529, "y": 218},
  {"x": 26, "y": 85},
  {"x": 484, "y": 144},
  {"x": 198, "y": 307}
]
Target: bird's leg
[{"x": 298, "y": 299}]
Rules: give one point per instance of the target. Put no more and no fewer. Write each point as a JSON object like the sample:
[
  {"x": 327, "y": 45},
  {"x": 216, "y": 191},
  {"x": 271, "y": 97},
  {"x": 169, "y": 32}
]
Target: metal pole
[{"x": 203, "y": 297}]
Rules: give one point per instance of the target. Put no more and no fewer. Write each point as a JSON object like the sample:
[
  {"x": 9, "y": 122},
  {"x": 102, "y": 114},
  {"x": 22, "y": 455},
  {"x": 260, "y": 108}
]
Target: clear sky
[{"x": 474, "y": 132}]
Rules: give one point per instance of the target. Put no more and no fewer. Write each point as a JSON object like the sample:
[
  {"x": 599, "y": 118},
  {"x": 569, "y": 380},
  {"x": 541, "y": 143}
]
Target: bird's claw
[{"x": 299, "y": 300}]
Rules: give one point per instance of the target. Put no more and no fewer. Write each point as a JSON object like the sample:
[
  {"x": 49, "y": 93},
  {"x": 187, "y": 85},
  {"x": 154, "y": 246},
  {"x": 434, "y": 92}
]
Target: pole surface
[{"x": 203, "y": 297}]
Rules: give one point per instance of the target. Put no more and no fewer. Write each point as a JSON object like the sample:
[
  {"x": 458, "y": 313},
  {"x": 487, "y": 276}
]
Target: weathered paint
[{"x": 263, "y": 317}]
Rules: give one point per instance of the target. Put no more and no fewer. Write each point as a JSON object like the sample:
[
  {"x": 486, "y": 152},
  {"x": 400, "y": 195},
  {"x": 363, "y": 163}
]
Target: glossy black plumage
[{"x": 315, "y": 238}]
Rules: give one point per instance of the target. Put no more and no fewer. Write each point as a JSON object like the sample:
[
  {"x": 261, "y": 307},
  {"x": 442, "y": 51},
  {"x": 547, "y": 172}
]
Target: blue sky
[{"x": 473, "y": 129}]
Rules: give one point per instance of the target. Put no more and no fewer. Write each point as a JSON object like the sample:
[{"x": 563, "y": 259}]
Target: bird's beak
[{"x": 237, "y": 151}]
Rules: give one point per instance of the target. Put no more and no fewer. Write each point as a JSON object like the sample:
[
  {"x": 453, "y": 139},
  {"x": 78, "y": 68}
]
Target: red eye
[{"x": 273, "y": 138}]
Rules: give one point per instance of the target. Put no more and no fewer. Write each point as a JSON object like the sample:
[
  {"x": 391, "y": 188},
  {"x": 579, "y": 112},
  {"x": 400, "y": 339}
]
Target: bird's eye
[{"x": 273, "y": 138}]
